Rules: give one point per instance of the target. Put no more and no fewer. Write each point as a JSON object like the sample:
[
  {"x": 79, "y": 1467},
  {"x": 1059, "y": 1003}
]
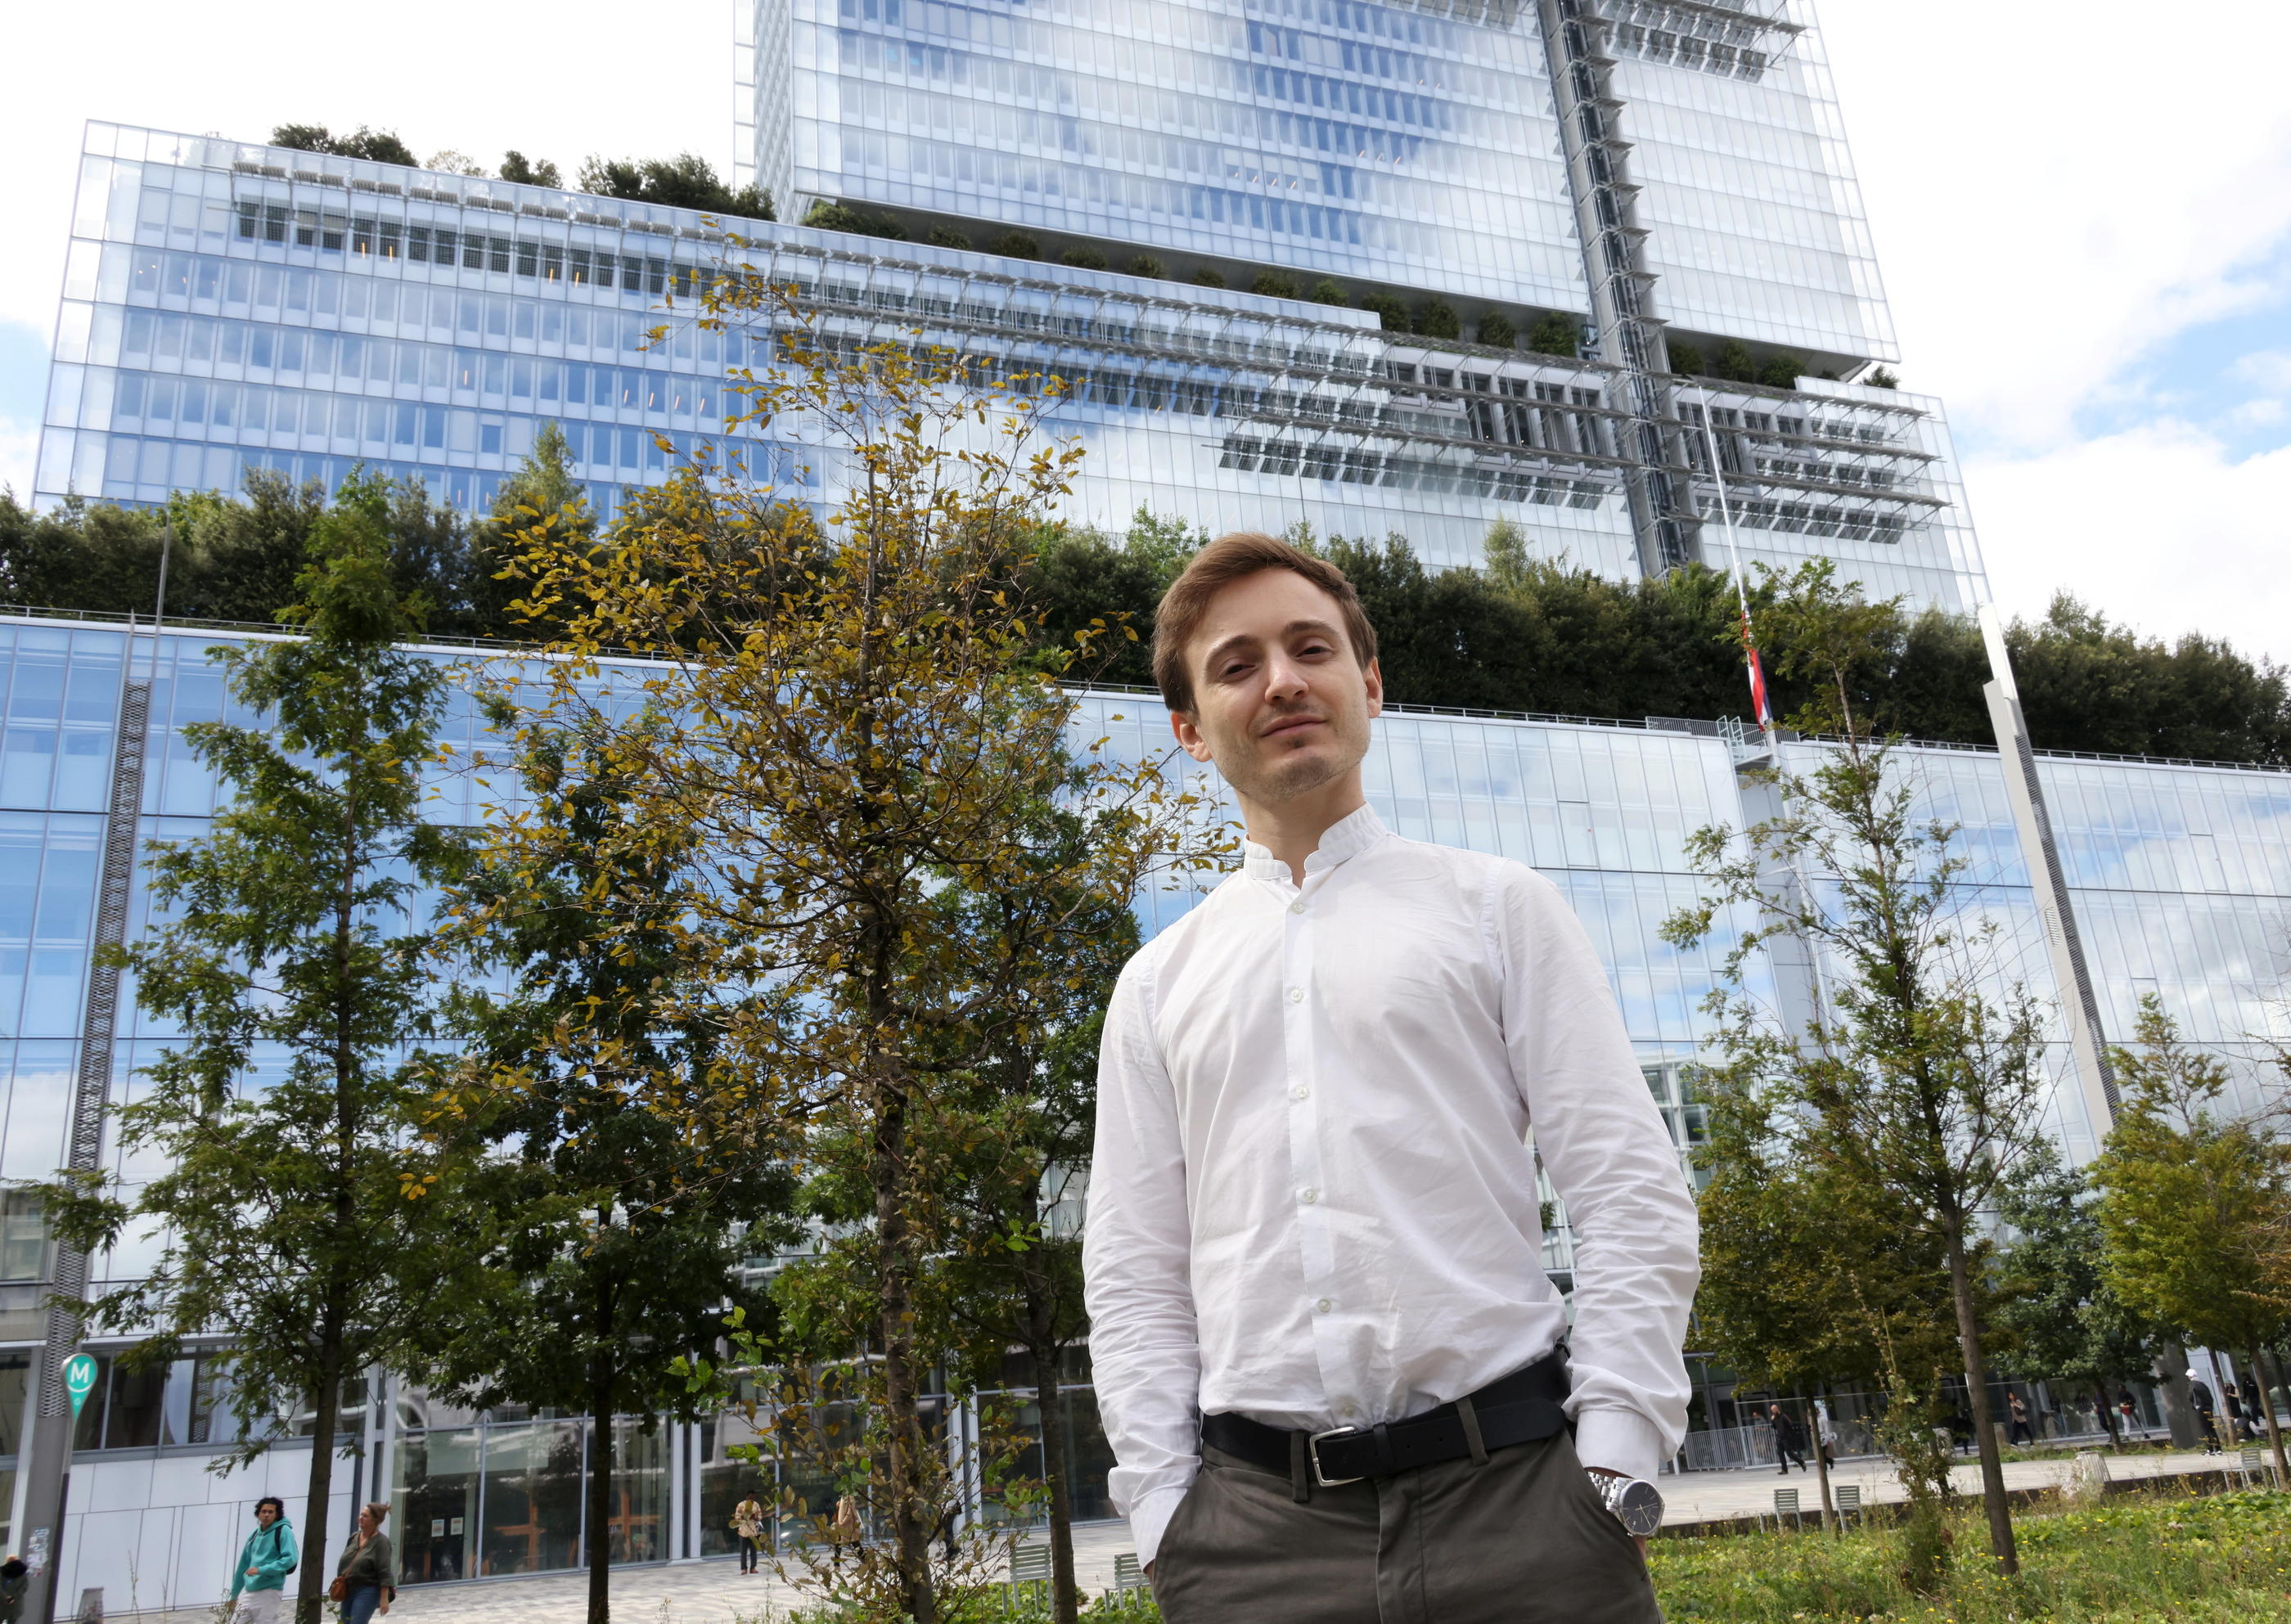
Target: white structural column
[{"x": 2079, "y": 1008}]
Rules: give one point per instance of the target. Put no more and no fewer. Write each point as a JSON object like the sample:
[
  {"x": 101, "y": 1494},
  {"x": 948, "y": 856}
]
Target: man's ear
[
  {"x": 1372, "y": 675},
  {"x": 1189, "y": 736}
]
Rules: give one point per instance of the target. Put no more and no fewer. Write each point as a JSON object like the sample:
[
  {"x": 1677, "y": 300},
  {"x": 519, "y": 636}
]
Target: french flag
[{"x": 1758, "y": 701}]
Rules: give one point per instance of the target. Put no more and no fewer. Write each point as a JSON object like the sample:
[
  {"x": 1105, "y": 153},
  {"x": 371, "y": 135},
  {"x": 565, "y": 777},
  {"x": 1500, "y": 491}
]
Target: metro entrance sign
[{"x": 79, "y": 1381}]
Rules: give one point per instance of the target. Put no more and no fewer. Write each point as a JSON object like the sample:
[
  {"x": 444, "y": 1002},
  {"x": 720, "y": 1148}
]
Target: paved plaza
[{"x": 714, "y": 1592}]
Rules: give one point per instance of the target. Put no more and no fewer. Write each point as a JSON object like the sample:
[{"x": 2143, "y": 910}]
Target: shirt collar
[{"x": 1347, "y": 838}]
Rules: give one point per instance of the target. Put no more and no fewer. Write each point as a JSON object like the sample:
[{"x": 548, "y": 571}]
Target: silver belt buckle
[{"x": 1313, "y": 1449}]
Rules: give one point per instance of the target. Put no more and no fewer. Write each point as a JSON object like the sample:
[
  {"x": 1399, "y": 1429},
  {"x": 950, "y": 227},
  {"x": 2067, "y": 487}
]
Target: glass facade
[
  {"x": 229, "y": 306},
  {"x": 2182, "y": 875}
]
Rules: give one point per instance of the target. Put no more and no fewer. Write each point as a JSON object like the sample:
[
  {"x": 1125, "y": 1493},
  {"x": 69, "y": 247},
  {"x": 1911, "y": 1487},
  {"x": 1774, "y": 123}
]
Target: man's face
[
  {"x": 1281, "y": 703},
  {"x": 265, "y": 1514}
]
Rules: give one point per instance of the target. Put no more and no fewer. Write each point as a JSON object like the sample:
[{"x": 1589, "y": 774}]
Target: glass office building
[
  {"x": 1200, "y": 213},
  {"x": 2180, "y": 876}
]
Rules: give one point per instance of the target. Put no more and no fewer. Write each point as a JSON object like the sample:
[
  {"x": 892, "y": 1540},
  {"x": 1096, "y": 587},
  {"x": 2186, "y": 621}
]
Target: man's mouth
[{"x": 1291, "y": 724}]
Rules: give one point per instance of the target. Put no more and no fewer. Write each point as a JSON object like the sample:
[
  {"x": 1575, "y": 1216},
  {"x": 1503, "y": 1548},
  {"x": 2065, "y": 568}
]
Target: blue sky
[{"x": 2088, "y": 259}]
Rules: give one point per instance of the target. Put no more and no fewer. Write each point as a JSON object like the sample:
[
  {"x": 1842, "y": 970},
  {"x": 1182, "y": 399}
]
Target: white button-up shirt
[{"x": 1312, "y": 1201}]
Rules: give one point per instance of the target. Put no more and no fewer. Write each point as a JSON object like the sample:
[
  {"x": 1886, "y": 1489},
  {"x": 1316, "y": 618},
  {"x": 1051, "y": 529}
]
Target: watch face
[{"x": 1639, "y": 1505}]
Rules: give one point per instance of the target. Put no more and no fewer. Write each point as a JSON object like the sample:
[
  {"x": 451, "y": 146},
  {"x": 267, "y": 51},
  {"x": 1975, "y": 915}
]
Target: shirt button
[
  {"x": 1298, "y": 906},
  {"x": 1309, "y": 1195},
  {"x": 1295, "y": 995},
  {"x": 1325, "y": 1305},
  {"x": 1301, "y": 1092}
]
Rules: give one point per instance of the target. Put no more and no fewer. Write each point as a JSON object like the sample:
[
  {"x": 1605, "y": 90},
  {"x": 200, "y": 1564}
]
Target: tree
[
  {"x": 378, "y": 146},
  {"x": 2191, "y": 1201},
  {"x": 685, "y": 181},
  {"x": 1082, "y": 257},
  {"x": 2056, "y": 1311},
  {"x": 515, "y": 166},
  {"x": 618, "y": 1240},
  {"x": 1810, "y": 1278},
  {"x": 1910, "y": 1078},
  {"x": 1274, "y": 285},
  {"x": 1436, "y": 318},
  {"x": 1555, "y": 334},
  {"x": 864, "y": 733},
  {"x": 1734, "y": 363},
  {"x": 1389, "y": 309},
  {"x": 1012, "y": 1272},
  {"x": 1685, "y": 357},
  {"x": 541, "y": 493},
  {"x": 1497, "y": 330},
  {"x": 830, "y": 216},
  {"x": 302, "y": 1221}
]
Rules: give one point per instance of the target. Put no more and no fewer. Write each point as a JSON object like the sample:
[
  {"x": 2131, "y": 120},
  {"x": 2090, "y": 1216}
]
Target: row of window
[{"x": 434, "y": 244}]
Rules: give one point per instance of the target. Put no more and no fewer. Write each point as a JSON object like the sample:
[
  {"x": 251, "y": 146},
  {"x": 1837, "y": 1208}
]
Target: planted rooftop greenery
[{"x": 1516, "y": 634}]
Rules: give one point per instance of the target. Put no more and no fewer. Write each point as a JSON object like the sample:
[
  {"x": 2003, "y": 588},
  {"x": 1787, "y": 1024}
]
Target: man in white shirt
[{"x": 1326, "y": 1352}]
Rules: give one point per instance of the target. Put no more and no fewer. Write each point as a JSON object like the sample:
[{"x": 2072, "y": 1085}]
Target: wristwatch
[{"x": 1637, "y": 1503}]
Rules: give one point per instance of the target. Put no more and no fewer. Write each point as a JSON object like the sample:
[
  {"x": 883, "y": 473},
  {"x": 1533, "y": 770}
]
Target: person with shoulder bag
[
  {"x": 365, "y": 1578},
  {"x": 748, "y": 1523}
]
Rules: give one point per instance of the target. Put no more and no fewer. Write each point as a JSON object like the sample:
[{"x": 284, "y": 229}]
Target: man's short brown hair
[{"x": 1225, "y": 561}]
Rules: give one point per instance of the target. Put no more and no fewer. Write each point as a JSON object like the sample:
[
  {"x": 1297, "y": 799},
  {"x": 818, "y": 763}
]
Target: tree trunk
[
  {"x": 2267, "y": 1409},
  {"x": 314, "y": 1575},
  {"x": 2169, "y": 1366},
  {"x": 600, "y": 1462},
  {"x": 912, "y": 1522},
  {"x": 1820, "y": 1468},
  {"x": 2222, "y": 1418},
  {"x": 1984, "y": 1429},
  {"x": 1065, "y": 1605}
]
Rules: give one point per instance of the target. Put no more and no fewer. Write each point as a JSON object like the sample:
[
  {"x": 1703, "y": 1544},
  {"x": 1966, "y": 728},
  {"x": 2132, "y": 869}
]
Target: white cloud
[
  {"x": 2156, "y": 526},
  {"x": 2268, "y": 369},
  {"x": 2037, "y": 233},
  {"x": 20, "y": 442}
]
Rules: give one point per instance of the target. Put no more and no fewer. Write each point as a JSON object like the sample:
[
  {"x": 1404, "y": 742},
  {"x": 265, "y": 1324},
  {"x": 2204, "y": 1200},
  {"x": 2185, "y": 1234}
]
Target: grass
[
  {"x": 2127, "y": 1560},
  {"x": 2131, "y": 1559}
]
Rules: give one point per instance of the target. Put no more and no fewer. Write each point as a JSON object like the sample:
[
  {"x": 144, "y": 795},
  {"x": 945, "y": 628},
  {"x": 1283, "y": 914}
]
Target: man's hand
[{"x": 1638, "y": 1539}]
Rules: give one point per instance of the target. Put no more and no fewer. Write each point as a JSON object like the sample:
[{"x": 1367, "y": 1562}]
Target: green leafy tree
[
  {"x": 1082, "y": 257},
  {"x": 617, "y": 1236},
  {"x": 1734, "y": 361},
  {"x": 2192, "y": 1203},
  {"x": 1147, "y": 265},
  {"x": 528, "y": 171},
  {"x": 1204, "y": 276},
  {"x": 948, "y": 237},
  {"x": 1911, "y": 1080},
  {"x": 2056, "y": 1312},
  {"x": 1328, "y": 290},
  {"x": 1686, "y": 358},
  {"x": 1496, "y": 329},
  {"x": 1554, "y": 334},
  {"x": 378, "y": 146},
  {"x": 1781, "y": 371},
  {"x": 1274, "y": 285},
  {"x": 302, "y": 1220},
  {"x": 542, "y": 495},
  {"x": 865, "y": 733},
  {"x": 1016, "y": 245},
  {"x": 685, "y": 181},
  {"x": 1437, "y": 318}
]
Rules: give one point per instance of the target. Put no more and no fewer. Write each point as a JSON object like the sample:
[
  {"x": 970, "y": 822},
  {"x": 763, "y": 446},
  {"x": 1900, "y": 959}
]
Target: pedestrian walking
[
  {"x": 1327, "y": 1354},
  {"x": 366, "y": 1578},
  {"x": 748, "y": 1526},
  {"x": 2018, "y": 1430},
  {"x": 2207, "y": 1413},
  {"x": 1789, "y": 1439},
  {"x": 14, "y": 1577},
  {"x": 258, "y": 1584},
  {"x": 2239, "y": 1411},
  {"x": 2129, "y": 1411},
  {"x": 845, "y": 1531}
]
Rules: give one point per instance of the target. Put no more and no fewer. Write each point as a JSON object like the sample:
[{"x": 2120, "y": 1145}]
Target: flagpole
[{"x": 1741, "y": 593}]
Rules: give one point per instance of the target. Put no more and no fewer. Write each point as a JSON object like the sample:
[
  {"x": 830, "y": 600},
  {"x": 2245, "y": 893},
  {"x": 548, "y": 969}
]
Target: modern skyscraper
[{"x": 1408, "y": 267}]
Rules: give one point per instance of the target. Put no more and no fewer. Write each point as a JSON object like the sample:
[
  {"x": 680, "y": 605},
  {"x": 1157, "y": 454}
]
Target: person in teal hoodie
[{"x": 258, "y": 1584}]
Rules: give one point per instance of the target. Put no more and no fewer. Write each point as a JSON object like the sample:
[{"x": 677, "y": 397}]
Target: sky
[{"x": 2088, "y": 258}]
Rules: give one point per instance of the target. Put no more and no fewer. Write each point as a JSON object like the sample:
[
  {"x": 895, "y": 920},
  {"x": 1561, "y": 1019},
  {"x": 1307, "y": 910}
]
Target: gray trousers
[{"x": 1521, "y": 1537}]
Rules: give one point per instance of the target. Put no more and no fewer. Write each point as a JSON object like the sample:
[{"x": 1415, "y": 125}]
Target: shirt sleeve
[
  {"x": 1611, "y": 1159},
  {"x": 1138, "y": 1272}
]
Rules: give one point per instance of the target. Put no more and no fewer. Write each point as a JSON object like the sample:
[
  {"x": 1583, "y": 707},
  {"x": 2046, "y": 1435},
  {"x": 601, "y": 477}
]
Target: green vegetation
[
  {"x": 377, "y": 146},
  {"x": 685, "y": 181},
  {"x": 1555, "y": 334},
  {"x": 947, "y": 236},
  {"x": 1518, "y": 634},
  {"x": 1082, "y": 258},
  {"x": 1497, "y": 332},
  {"x": 1206, "y": 277},
  {"x": 1388, "y": 310},
  {"x": 1274, "y": 285},
  {"x": 1328, "y": 290},
  {"x": 527, "y": 172},
  {"x": 1016, "y": 246},
  {"x": 2164, "y": 1559},
  {"x": 1436, "y": 318},
  {"x": 1147, "y": 265}
]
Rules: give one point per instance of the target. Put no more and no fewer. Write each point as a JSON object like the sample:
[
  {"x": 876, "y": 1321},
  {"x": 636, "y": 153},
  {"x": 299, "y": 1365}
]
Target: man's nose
[{"x": 1284, "y": 678}]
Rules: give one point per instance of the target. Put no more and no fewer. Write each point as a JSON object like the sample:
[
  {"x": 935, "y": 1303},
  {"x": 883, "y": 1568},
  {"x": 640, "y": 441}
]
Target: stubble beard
[{"x": 1270, "y": 779}]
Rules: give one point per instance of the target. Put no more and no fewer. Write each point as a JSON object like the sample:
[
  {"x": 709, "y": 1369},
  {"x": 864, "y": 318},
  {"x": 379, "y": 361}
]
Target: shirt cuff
[
  {"x": 1619, "y": 1440},
  {"x": 1150, "y": 1516}
]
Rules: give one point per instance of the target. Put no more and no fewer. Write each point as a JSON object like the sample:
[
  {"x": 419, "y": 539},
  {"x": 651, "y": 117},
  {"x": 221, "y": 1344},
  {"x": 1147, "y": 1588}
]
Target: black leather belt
[{"x": 1520, "y": 1407}]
